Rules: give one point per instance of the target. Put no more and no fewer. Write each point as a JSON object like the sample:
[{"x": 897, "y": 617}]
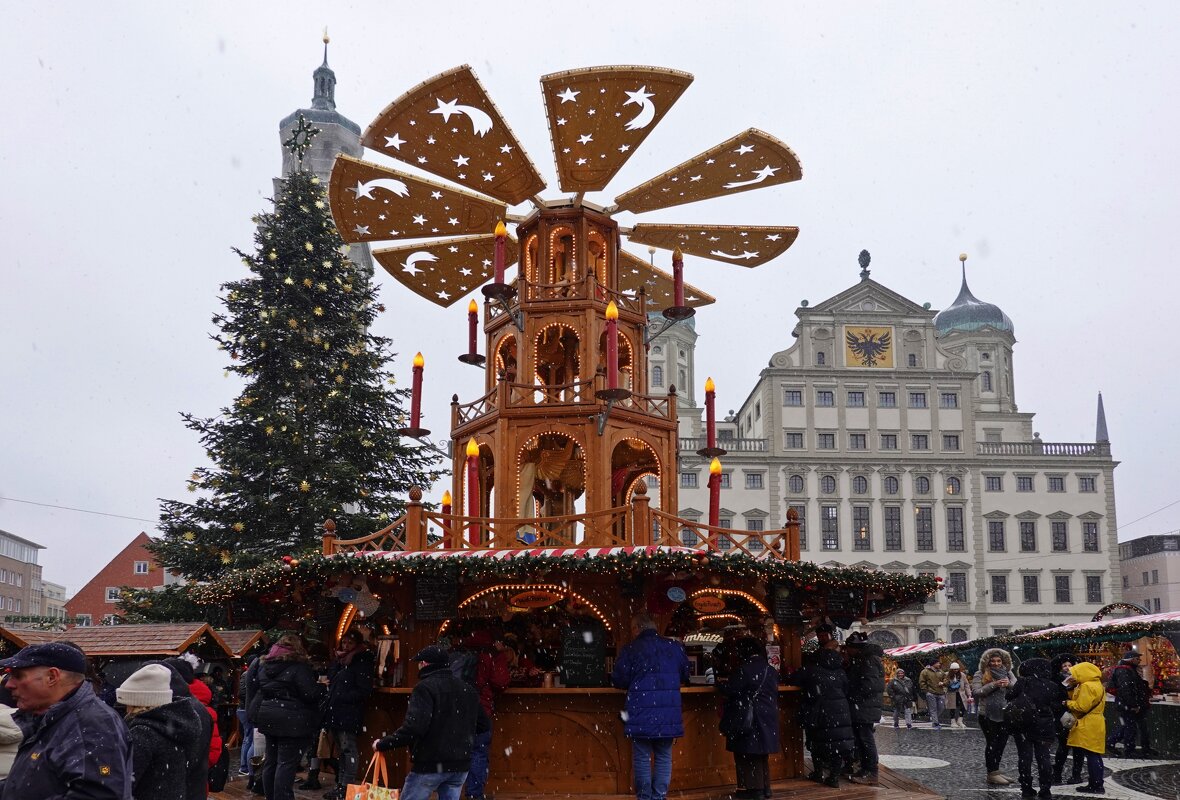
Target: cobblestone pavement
[{"x": 950, "y": 761}]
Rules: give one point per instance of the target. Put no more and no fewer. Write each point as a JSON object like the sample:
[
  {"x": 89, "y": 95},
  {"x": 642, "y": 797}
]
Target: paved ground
[{"x": 950, "y": 761}]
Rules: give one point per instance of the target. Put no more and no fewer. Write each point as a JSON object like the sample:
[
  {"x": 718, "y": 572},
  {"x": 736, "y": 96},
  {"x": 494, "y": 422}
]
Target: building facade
[
  {"x": 1151, "y": 571},
  {"x": 20, "y": 576},
  {"x": 893, "y": 432},
  {"x": 98, "y": 601},
  {"x": 53, "y": 600}
]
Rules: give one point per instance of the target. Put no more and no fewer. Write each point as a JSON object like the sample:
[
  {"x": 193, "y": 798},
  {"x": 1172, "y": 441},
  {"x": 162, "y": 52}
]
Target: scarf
[
  {"x": 279, "y": 652},
  {"x": 344, "y": 657}
]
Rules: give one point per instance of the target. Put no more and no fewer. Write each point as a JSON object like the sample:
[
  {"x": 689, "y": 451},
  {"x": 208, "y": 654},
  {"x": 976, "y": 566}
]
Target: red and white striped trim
[
  {"x": 508, "y": 554},
  {"x": 914, "y": 649}
]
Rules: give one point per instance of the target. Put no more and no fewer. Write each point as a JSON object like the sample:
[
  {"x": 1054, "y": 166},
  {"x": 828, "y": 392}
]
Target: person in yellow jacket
[{"x": 1087, "y": 701}]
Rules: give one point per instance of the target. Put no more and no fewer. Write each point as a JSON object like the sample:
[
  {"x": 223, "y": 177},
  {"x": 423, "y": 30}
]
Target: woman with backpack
[
  {"x": 749, "y": 720},
  {"x": 991, "y": 684},
  {"x": 1035, "y": 703},
  {"x": 285, "y": 707}
]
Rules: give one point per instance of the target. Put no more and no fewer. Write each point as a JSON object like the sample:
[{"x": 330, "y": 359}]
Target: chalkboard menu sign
[
  {"x": 583, "y": 655},
  {"x": 435, "y": 598},
  {"x": 785, "y": 605},
  {"x": 845, "y": 606}
]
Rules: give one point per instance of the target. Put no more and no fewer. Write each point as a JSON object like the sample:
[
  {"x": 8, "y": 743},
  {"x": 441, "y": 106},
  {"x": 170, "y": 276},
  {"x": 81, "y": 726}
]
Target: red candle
[
  {"x": 416, "y": 393},
  {"x": 446, "y": 512},
  {"x": 710, "y": 414},
  {"x": 678, "y": 278},
  {"x": 472, "y": 325},
  {"x": 501, "y": 239},
  {"x": 715, "y": 492},
  {"x": 612, "y": 346},
  {"x": 472, "y": 491}
]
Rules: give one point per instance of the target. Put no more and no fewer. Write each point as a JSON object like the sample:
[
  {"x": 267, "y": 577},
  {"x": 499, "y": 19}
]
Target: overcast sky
[{"x": 139, "y": 138}]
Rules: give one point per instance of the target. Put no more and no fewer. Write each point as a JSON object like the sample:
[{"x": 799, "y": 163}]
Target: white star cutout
[
  {"x": 362, "y": 230},
  {"x": 436, "y": 195},
  {"x": 487, "y": 263},
  {"x": 452, "y": 221},
  {"x": 561, "y": 120},
  {"x": 461, "y": 161},
  {"x": 585, "y": 138},
  {"x": 624, "y": 148},
  {"x": 506, "y": 148},
  {"x": 695, "y": 178},
  {"x": 421, "y": 159},
  {"x": 581, "y": 161},
  {"x": 443, "y": 296},
  {"x": 419, "y": 219},
  {"x": 462, "y": 177},
  {"x": 363, "y": 190},
  {"x": 394, "y": 141},
  {"x": 465, "y": 271},
  {"x": 430, "y": 140},
  {"x": 744, "y": 148},
  {"x": 591, "y": 112},
  {"x": 445, "y": 110},
  {"x": 709, "y": 161},
  {"x": 568, "y": 96},
  {"x": 453, "y": 249},
  {"x": 774, "y": 237},
  {"x": 487, "y": 176}
]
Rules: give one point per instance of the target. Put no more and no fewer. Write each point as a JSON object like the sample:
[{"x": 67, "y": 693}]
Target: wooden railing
[
  {"x": 634, "y": 525},
  {"x": 522, "y": 395},
  {"x": 466, "y": 412}
]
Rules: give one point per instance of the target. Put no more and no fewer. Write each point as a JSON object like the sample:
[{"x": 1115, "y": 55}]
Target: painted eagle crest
[{"x": 868, "y": 347}]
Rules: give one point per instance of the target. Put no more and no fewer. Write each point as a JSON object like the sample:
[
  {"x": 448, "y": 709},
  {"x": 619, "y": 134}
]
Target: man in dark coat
[
  {"x": 1132, "y": 698},
  {"x": 866, "y": 694},
  {"x": 75, "y": 746},
  {"x": 652, "y": 669},
  {"x": 1059, "y": 671},
  {"x": 753, "y": 685},
  {"x": 1034, "y": 734},
  {"x": 350, "y": 681},
  {"x": 442, "y": 718},
  {"x": 475, "y": 661},
  {"x": 197, "y": 757},
  {"x": 825, "y": 713}
]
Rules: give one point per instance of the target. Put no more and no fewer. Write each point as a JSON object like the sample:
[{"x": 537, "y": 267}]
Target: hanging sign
[
  {"x": 676, "y": 594},
  {"x": 708, "y": 603},
  {"x": 536, "y": 598}
]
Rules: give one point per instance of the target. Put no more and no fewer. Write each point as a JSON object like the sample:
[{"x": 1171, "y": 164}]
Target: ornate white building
[{"x": 894, "y": 433}]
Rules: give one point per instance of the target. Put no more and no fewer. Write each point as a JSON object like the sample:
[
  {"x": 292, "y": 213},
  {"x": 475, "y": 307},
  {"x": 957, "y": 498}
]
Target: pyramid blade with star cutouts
[
  {"x": 659, "y": 286},
  {"x": 599, "y": 116},
  {"x": 444, "y": 271},
  {"x": 449, "y": 126},
  {"x": 745, "y": 245},
  {"x": 373, "y": 204},
  {"x": 751, "y": 160}
]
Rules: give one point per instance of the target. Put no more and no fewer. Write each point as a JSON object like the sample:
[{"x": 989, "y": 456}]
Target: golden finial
[
  {"x": 326, "y": 39},
  {"x": 963, "y": 257}
]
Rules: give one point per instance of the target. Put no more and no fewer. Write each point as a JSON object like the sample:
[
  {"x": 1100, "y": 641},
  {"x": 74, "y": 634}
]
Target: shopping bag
[{"x": 374, "y": 783}]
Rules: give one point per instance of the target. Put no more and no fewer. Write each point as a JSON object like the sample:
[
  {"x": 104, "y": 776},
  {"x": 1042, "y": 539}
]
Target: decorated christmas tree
[{"x": 313, "y": 434}]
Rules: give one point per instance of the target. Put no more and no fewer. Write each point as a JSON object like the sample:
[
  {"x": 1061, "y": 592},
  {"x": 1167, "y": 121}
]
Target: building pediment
[
  {"x": 867, "y": 299},
  {"x": 865, "y": 565},
  {"x": 895, "y": 565},
  {"x": 1089, "y": 515},
  {"x": 997, "y": 515},
  {"x": 1028, "y": 515},
  {"x": 756, "y": 513},
  {"x": 691, "y": 513},
  {"x": 1060, "y": 515},
  {"x": 958, "y": 565},
  {"x": 926, "y": 566}
]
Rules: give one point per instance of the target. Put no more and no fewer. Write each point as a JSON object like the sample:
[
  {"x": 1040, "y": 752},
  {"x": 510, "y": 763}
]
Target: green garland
[
  {"x": 1126, "y": 631},
  {"x": 284, "y": 576}
]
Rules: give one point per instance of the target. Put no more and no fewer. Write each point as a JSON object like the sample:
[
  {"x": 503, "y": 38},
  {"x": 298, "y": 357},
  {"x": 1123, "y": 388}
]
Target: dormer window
[
  {"x": 820, "y": 358},
  {"x": 985, "y": 381}
]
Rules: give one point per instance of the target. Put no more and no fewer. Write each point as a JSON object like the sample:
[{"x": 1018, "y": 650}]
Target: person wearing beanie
[
  {"x": 160, "y": 729},
  {"x": 958, "y": 694}
]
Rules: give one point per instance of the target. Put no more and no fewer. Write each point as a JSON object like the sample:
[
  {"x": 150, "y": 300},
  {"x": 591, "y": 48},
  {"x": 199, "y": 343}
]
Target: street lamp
[{"x": 950, "y": 594}]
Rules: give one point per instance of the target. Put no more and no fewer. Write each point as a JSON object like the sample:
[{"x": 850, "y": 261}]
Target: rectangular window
[
  {"x": 956, "y": 587},
  {"x": 1155, "y": 604},
  {"x": 3, "y": 576},
  {"x": 858, "y": 441},
  {"x": 112, "y": 594},
  {"x": 889, "y": 441},
  {"x": 861, "y": 536},
  {"x": 1024, "y": 483},
  {"x": 893, "y": 528},
  {"x": 1144, "y": 578},
  {"x": 825, "y": 441},
  {"x": 918, "y": 400},
  {"x": 825, "y": 397},
  {"x": 726, "y": 480},
  {"x": 83, "y": 620},
  {"x": 753, "y": 480},
  {"x": 792, "y": 397},
  {"x": 993, "y": 483},
  {"x": 829, "y": 527},
  {"x": 954, "y": 529},
  {"x": 1093, "y": 588},
  {"x": 1155, "y": 576},
  {"x": 856, "y": 399},
  {"x": 999, "y": 588},
  {"x": 755, "y": 524},
  {"x": 1032, "y": 588},
  {"x": 688, "y": 537},
  {"x": 948, "y": 399},
  {"x": 802, "y": 512},
  {"x": 1061, "y": 589},
  {"x": 1090, "y": 537},
  {"x": 688, "y": 480},
  {"x": 1126, "y": 582},
  {"x": 1086, "y": 483},
  {"x": 924, "y": 528},
  {"x": 950, "y": 441},
  {"x": 919, "y": 441},
  {"x": 141, "y": 568},
  {"x": 887, "y": 399},
  {"x": 17, "y": 609},
  {"x": 1056, "y": 483},
  {"x": 793, "y": 440},
  {"x": 995, "y": 535},
  {"x": 1060, "y": 534},
  {"x": 1000, "y": 631},
  {"x": 1028, "y": 536}
]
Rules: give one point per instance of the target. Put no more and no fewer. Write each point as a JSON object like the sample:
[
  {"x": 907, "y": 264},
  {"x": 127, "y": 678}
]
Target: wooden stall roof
[
  {"x": 239, "y": 642},
  {"x": 125, "y": 640}
]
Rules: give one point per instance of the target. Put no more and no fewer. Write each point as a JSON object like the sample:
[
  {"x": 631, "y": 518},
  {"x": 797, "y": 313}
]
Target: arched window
[
  {"x": 954, "y": 486},
  {"x": 657, "y": 376},
  {"x": 860, "y": 484},
  {"x": 985, "y": 381},
  {"x": 922, "y": 484},
  {"x": 958, "y": 635},
  {"x": 827, "y": 484},
  {"x": 795, "y": 484},
  {"x": 890, "y": 484},
  {"x": 926, "y": 635},
  {"x": 820, "y": 358},
  {"x": 913, "y": 359}
]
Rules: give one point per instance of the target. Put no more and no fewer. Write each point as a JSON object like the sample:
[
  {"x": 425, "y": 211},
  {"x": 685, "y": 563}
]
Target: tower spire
[
  {"x": 324, "y": 97},
  {"x": 1100, "y": 432}
]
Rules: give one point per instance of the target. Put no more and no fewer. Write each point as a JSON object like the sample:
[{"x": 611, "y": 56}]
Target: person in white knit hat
[
  {"x": 958, "y": 694},
  {"x": 160, "y": 730}
]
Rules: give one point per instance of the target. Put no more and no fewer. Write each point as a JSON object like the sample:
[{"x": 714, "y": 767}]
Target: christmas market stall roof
[
  {"x": 240, "y": 642},
  {"x": 1123, "y": 629},
  {"x": 130, "y": 641}
]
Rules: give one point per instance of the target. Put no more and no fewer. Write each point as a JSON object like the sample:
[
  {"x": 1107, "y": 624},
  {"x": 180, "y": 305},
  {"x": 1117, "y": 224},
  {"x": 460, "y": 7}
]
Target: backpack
[
  {"x": 465, "y": 666},
  {"x": 1019, "y": 713}
]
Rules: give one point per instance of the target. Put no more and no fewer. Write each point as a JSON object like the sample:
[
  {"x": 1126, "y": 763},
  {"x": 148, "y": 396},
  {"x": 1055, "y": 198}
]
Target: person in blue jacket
[{"x": 652, "y": 669}]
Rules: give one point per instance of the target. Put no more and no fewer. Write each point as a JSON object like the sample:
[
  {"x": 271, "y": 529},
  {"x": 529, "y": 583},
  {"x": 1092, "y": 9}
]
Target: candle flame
[
  {"x": 715, "y": 467},
  {"x": 612, "y": 311},
  {"x": 419, "y": 361},
  {"x": 501, "y": 229},
  {"x": 446, "y": 497},
  {"x": 472, "y": 307},
  {"x": 709, "y": 385},
  {"x": 472, "y": 448}
]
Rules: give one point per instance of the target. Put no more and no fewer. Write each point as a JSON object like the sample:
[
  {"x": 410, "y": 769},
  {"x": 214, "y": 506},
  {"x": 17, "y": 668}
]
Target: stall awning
[
  {"x": 911, "y": 650},
  {"x": 509, "y": 554}
]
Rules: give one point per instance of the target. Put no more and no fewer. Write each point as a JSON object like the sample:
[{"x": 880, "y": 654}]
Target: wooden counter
[{"x": 570, "y": 741}]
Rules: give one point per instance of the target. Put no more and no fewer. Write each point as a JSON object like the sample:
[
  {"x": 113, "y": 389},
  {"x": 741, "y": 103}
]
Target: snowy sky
[{"x": 141, "y": 137}]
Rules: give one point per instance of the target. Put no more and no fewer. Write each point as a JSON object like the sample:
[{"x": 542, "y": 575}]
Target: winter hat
[
  {"x": 954, "y": 665},
  {"x": 147, "y": 687},
  {"x": 433, "y": 655}
]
